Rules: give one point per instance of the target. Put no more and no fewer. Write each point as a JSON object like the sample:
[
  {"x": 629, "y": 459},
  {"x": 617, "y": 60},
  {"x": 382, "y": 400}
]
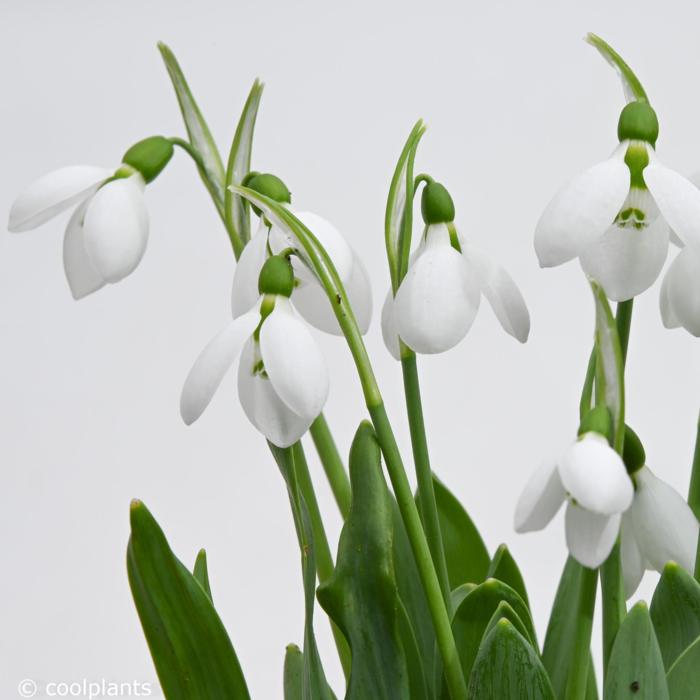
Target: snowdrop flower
[
  {"x": 107, "y": 234},
  {"x": 592, "y": 477},
  {"x": 309, "y": 299},
  {"x": 658, "y": 527},
  {"x": 680, "y": 292},
  {"x": 615, "y": 217},
  {"x": 282, "y": 375},
  {"x": 439, "y": 297}
]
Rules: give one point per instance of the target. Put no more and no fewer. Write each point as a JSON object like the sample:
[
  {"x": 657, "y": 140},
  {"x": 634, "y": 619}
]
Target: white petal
[
  {"x": 677, "y": 198},
  {"x": 540, "y": 500},
  {"x": 54, "y": 193},
  {"x": 589, "y": 536},
  {"x": 626, "y": 260},
  {"x": 264, "y": 408},
  {"x": 295, "y": 365},
  {"x": 582, "y": 211},
  {"x": 359, "y": 291},
  {"x": 83, "y": 278},
  {"x": 668, "y": 315},
  {"x": 213, "y": 363},
  {"x": 389, "y": 331},
  {"x": 501, "y": 292},
  {"x": 682, "y": 291},
  {"x": 438, "y": 299},
  {"x": 664, "y": 526},
  {"x": 245, "y": 294},
  {"x": 116, "y": 228},
  {"x": 631, "y": 558},
  {"x": 595, "y": 476}
]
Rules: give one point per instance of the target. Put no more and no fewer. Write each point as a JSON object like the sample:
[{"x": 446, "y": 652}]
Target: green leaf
[
  {"x": 683, "y": 677},
  {"x": 675, "y": 612},
  {"x": 417, "y": 665},
  {"x": 467, "y": 557},
  {"x": 504, "y": 568},
  {"x": 636, "y": 669},
  {"x": 199, "y": 135},
  {"x": 460, "y": 593},
  {"x": 236, "y": 210},
  {"x": 361, "y": 597},
  {"x": 505, "y": 612},
  {"x": 201, "y": 572},
  {"x": 508, "y": 667},
  {"x": 474, "y": 613},
  {"x": 293, "y": 673},
  {"x": 191, "y": 650}
]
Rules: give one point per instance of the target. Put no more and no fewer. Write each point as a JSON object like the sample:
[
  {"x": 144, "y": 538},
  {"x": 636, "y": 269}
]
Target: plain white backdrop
[{"x": 516, "y": 104}]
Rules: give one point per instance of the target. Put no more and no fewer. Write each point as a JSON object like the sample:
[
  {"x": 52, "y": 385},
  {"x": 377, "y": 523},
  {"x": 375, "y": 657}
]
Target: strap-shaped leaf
[
  {"x": 199, "y": 135},
  {"x": 201, "y": 572},
  {"x": 504, "y": 568},
  {"x": 675, "y": 612},
  {"x": 361, "y": 597},
  {"x": 507, "y": 666},
  {"x": 192, "y": 653},
  {"x": 505, "y": 612},
  {"x": 683, "y": 677},
  {"x": 636, "y": 669},
  {"x": 293, "y": 673}
]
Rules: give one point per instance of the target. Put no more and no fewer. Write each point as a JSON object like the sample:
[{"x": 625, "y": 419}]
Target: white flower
[
  {"x": 593, "y": 478},
  {"x": 658, "y": 527},
  {"x": 616, "y": 216},
  {"x": 680, "y": 292},
  {"x": 438, "y": 298},
  {"x": 282, "y": 375},
  {"x": 309, "y": 298}
]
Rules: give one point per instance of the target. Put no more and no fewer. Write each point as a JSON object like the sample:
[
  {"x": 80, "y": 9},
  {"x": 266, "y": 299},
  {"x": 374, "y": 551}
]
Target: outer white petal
[
  {"x": 664, "y": 526},
  {"x": 678, "y": 200},
  {"x": 293, "y": 362},
  {"x": 589, "y": 536},
  {"x": 668, "y": 315},
  {"x": 264, "y": 408},
  {"x": 83, "y": 278},
  {"x": 595, "y": 476},
  {"x": 116, "y": 228},
  {"x": 54, "y": 193},
  {"x": 389, "y": 331},
  {"x": 631, "y": 558},
  {"x": 626, "y": 261},
  {"x": 501, "y": 292},
  {"x": 213, "y": 363},
  {"x": 359, "y": 291},
  {"x": 540, "y": 500},
  {"x": 682, "y": 291},
  {"x": 582, "y": 211},
  {"x": 244, "y": 293},
  {"x": 438, "y": 299}
]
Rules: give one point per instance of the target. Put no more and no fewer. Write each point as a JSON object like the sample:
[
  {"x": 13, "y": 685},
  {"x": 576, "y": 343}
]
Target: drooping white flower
[
  {"x": 592, "y": 477},
  {"x": 107, "y": 234},
  {"x": 309, "y": 299},
  {"x": 438, "y": 299},
  {"x": 282, "y": 375},
  {"x": 615, "y": 217}
]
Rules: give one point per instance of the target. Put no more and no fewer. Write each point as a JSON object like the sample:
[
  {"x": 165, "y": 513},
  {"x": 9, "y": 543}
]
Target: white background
[{"x": 516, "y": 104}]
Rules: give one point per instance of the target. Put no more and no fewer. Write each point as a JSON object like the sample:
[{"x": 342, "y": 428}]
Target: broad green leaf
[
  {"x": 683, "y": 677},
  {"x": 591, "y": 684},
  {"x": 293, "y": 673},
  {"x": 675, "y": 612},
  {"x": 465, "y": 551},
  {"x": 504, "y": 568},
  {"x": 315, "y": 686},
  {"x": 399, "y": 208},
  {"x": 199, "y": 135},
  {"x": 236, "y": 210},
  {"x": 508, "y": 667},
  {"x": 505, "y": 612},
  {"x": 460, "y": 593},
  {"x": 417, "y": 666},
  {"x": 361, "y": 597},
  {"x": 630, "y": 83},
  {"x": 201, "y": 572},
  {"x": 474, "y": 613},
  {"x": 636, "y": 669},
  {"x": 192, "y": 653}
]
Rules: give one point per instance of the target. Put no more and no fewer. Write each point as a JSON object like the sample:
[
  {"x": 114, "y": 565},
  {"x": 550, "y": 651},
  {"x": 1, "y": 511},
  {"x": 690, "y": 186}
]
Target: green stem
[
  {"x": 577, "y": 679},
  {"x": 587, "y": 392},
  {"x": 332, "y": 464},
  {"x": 424, "y": 474},
  {"x": 694, "y": 494}
]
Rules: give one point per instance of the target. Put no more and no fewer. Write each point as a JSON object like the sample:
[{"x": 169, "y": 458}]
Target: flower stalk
[{"x": 332, "y": 464}]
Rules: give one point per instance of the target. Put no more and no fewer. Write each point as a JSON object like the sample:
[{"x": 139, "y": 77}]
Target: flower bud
[
  {"x": 597, "y": 420},
  {"x": 633, "y": 454},
  {"x": 436, "y": 205},
  {"x": 638, "y": 122},
  {"x": 269, "y": 186},
  {"x": 149, "y": 156},
  {"x": 276, "y": 277}
]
